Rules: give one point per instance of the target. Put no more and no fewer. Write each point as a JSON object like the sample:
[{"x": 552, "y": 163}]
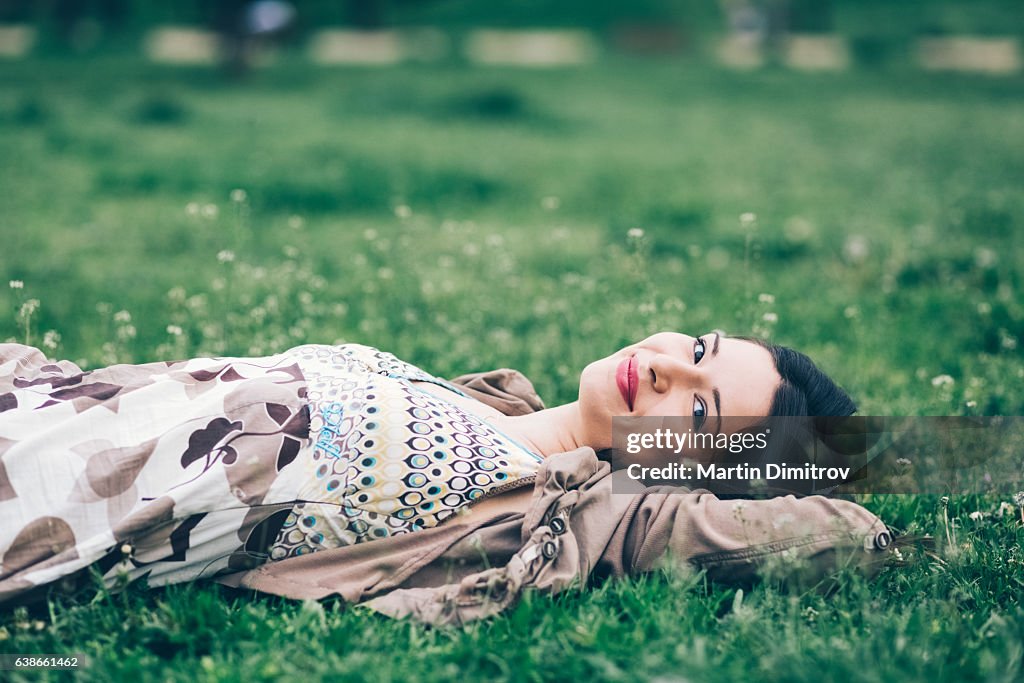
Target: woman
[{"x": 211, "y": 467}]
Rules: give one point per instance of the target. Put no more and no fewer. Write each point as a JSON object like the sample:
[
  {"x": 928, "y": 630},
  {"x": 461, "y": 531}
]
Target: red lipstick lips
[{"x": 627, "y": 381}]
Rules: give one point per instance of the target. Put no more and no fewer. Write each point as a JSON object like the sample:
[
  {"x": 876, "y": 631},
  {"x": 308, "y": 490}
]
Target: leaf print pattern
[{"x": 172, "y": 470}]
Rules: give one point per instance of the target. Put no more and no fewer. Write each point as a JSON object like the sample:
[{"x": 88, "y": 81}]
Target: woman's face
[{"x": 671, "y": 374}]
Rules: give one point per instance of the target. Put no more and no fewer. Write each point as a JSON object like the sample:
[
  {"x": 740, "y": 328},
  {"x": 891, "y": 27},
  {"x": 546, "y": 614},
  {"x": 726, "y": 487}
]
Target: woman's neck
[{"x": 548, "y": 431}]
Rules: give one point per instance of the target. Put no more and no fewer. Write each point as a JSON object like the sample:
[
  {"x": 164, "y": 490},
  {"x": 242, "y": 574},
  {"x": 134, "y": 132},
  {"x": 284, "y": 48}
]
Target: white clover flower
[
  {"x": 984, "y": 308},
  {"x": 238, "y": 195},
  {"x": 295, "y": 222},
  {"x": 210, "y": 210},
  {"x": 903, "y": 462},
  {"x": 770, "y": 317},
  {"x": 851, "y": 312},
  {"x": 747, "y": 219},
  {"x": 225, "y": 256},
  {"x": 766, "y": 298},
  {"x": 192, "y": 208},
  {"x": 28, "y": 308},
  {"x": 856, "y": 248},
  {"x": 122, "y": 316},
  {"x": 977, "y": 516},
  {"x": 403, "y": 211},
  {"x": 51, "y": 339},
  {"x": 369, "y": 234},
  {"x": 290, "y": 251},
  {"x": 16, "y": 284},
  {"x": 635, "y": 233},
  {"x": 942, "y": 381},
  {"x": 174, "y": 330}
]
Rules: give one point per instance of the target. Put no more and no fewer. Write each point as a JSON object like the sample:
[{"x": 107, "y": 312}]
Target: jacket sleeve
[
  {"x": 796, "y": 541},
  {"x": 578, "y": 528}
]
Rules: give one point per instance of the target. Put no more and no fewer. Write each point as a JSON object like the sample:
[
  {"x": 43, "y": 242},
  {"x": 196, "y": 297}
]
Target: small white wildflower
[
  {"x": 295, "y": 222},
  {"x": 305, "y": 298},
  {"x": 174, "y": 330},
  {"x": 971, "y": 405},
  {"x": 851, "y": 312},
  {"x": 1005, "y": 509},
  {"x": 225, "y": 256},
  {"x": 122, "y": 316},
  {"x": 210, "y": 210},
  {"x": 369, "y": 234},
  {"x": 238, "y": 195},
  {"x": 903, "y": 462},
  {"x": 51, "y": 339},
  {"x": 176, "y": 294},
  {"x": 977, "y": 516},
  {"x": 550, "y": 203},
  {"x": 984, "y": 257},
  {"x": 766, "y": 298},
  {"x": 17, "y": 284},
  {"x": 1007, "y": 341},
  {"x": 385, "y": 273},
  {"x": 984, "y": 308},
  {"x": 470, "y": 249},
  {"x": 942, "y": 381},
  {"x": 290, "y": 251},
  {"x": 647, "y": 308},
  {"x": 856, "y": 248},
  {"x": 126, "y": 549},
  {"x": 403, "y": 211},
  {"x": 747, "y": 219},
  {"x": 29, "y": 307},
  {"x": 1018, "y": 499},
  {"x": 218, "y": 283},
  {"x": 635, "y": 233},
  {"x": 770, "y": 317},
  {"x": 192, "y": 208}
]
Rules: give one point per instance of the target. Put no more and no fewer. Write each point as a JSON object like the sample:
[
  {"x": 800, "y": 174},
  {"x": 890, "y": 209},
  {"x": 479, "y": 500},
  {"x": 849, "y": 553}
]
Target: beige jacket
[{"x": 577, "y": 530}]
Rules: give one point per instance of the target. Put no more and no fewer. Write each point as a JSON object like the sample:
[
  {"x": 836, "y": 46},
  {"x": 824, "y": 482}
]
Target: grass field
[{"x": 466, "y": 219}]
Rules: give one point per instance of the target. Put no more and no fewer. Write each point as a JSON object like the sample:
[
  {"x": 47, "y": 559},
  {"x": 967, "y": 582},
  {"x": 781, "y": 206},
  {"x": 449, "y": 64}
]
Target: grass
[{"x": 467, "y": 219}]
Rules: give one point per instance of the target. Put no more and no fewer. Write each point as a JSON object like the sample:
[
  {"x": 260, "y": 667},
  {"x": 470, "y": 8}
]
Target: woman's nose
[{"x": 670, "y": 371}]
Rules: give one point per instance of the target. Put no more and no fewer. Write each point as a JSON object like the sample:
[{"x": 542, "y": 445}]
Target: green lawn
[{"x": 466, "y": 219}]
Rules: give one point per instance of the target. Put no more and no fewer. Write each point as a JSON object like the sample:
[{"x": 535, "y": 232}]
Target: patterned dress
[
  {"x": 184, "y": 470},
  {"x": 388, "y": 457}
]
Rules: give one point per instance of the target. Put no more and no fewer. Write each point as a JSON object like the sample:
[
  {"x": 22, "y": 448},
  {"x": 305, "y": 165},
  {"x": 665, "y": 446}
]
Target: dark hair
[{"x": 805, "y": 389}]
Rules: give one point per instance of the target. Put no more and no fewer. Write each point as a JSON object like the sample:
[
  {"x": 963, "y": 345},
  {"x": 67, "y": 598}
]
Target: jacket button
[
  {"x": 557, "y": 525},
  {"x": 549, "y": 549},
  {"x": 883, "y": 539}
]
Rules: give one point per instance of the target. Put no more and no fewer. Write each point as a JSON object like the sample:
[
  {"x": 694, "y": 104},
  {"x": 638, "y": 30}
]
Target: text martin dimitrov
[{"x": 666, "y": 439}]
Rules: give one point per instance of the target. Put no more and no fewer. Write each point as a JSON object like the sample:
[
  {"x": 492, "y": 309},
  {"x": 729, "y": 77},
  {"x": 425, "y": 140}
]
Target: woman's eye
[
  {"x": 698, "y": 351},
  {"x": 700, "y": 411}
]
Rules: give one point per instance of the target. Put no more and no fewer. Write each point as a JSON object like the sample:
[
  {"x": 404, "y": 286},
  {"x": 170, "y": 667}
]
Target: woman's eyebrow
[{"x": 714, "y": 392}]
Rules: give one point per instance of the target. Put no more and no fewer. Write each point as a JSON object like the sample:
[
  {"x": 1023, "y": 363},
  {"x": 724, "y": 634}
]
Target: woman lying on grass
[{"x": 344, "y": 471}]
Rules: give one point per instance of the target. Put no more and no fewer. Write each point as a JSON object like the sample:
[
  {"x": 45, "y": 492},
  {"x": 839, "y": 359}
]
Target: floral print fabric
[
  {"x": 176, "y": 470},
  {"x": 185, "y": 470}
]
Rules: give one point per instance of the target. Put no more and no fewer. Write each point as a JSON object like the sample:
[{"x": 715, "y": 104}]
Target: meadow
[{"x": 469, "y": 218}]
